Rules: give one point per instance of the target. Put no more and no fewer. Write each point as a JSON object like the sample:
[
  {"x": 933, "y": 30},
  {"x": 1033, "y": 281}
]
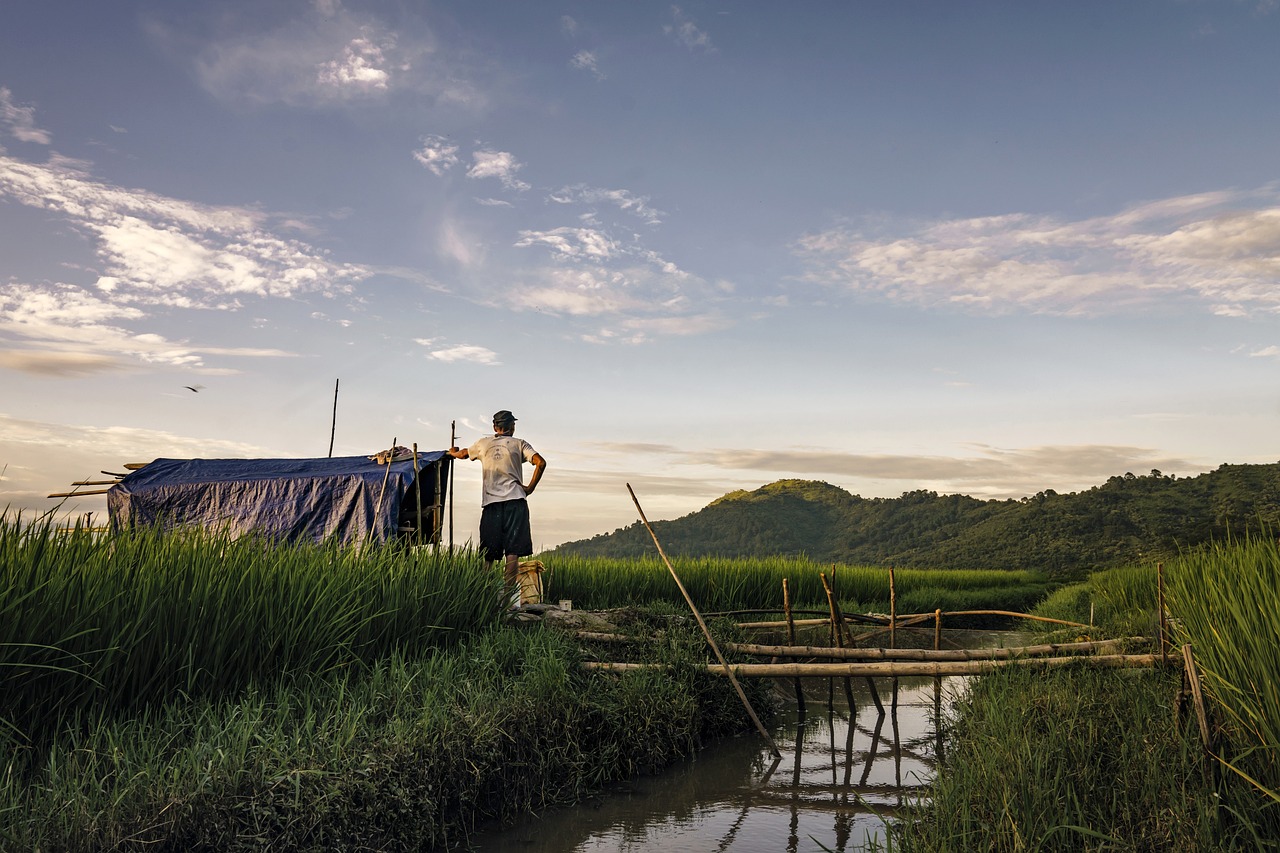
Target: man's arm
[
  {"x": 459, "y": 453},
  {"x": 539, "y": 465}
]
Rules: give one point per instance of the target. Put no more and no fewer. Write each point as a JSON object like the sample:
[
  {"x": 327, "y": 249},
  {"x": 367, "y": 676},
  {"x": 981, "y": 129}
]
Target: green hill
[{"x": 1125, "y": 520}]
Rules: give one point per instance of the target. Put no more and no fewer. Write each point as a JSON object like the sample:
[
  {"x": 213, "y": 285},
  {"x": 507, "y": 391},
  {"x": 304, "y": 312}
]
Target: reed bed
[
  {"x": 724, "y": 584},
  {"x": 410, "y": 753},
  {"x": 1226, "y": 602},
  {"x": 91, "y": 624}
]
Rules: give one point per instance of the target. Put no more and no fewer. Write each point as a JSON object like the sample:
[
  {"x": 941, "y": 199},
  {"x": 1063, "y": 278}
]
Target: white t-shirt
[{"x": 501, "y": 457}]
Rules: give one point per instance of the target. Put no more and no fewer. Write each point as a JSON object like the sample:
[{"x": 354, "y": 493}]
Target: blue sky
[{"x": 986, "y": 248}]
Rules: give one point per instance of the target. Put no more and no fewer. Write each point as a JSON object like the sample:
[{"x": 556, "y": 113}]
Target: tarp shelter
[{"x": 352, "y": 498}]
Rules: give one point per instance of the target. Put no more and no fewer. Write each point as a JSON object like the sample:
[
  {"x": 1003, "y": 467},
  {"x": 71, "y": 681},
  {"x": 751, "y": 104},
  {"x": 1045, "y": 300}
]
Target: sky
[{"x": 986, "y": 248}]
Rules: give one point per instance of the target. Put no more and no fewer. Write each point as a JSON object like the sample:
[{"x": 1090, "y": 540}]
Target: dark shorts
[{"x": 504, "y": 530}]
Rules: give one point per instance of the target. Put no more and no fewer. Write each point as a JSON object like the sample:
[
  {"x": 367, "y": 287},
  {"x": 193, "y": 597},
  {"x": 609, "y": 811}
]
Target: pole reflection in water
[{"x": 730, "y": 797}]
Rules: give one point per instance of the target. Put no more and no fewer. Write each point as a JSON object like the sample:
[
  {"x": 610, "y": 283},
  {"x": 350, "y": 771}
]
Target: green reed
[
  {"x": 1226, "y": 600},
  {"x": 756, "y": 583},
  {"x": 91, "y": 623}
]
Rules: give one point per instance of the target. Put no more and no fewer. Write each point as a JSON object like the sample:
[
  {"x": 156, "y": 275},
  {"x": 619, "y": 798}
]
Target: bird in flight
[{"x": 195, "y": 389}]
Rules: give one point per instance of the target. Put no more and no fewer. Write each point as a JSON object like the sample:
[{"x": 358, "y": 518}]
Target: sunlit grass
[
  {"x": 718, "y": 584},
  {"x": 91, "y": 623}
]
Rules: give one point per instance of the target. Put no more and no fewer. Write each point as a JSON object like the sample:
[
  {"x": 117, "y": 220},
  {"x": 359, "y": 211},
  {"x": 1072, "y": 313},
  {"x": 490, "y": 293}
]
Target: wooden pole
[
  {"x": 891, "y": 668},
  {"x": 838, "y": 624},
  {"x": 453, "y": 440},
  {"x": 829, "y": 653},
  {"x": 333, "y": 429},
  {"x": 417, "y": 491},
  {"x": 937, "y": 630},
  {"x": 791, "y": 638},
  {"x": 1193, "y": 677},
  {"x": 377, "y": 508},
  {"x": 751, "y": 712},
  {"x": 893, "y": 610}
]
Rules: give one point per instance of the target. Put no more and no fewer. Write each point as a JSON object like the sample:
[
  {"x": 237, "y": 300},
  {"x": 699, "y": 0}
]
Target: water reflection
[{"x": 843, "y": 771}]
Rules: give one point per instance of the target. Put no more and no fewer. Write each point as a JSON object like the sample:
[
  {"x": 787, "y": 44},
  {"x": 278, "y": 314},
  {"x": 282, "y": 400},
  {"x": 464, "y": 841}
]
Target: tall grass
[
  {"x": 756, "y": 583},
  {"x": 1226, "y": 600},
  {"x": 409, "y": 754},
  {"x": 91, "y": 624},
  {"x": 1076, "y": 759}
]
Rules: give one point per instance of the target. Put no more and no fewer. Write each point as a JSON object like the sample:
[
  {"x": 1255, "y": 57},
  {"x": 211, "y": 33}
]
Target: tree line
[{"x": 1126, "y": 520}]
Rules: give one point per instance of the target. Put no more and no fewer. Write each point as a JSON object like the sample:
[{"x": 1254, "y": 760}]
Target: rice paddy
[{"x": 746, "y": 583}]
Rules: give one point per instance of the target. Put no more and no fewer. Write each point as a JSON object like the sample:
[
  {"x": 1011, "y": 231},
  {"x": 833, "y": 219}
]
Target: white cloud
[
  {"x": 161, "y": 250},
  {"x": 566, "y": 243},
  {"x": 568, "y": 25},
  {"x": 76, "y": 332},
  {"x": 437, "y": 153},
  {"x": 487, "y": 163},
  {"x": 622, "y": 199},
  {"x": 362, "y": 67},
  {"x": 328, "y": 57},
  {"x": 1220, "y": 248},
  {"x": 20, "y": 121},
  {"x": 1266, "y": 352},
  {"x": 686, "y": 33},
  {"x": 585, "y": 60},
  {"x": 466, "y": 353}
]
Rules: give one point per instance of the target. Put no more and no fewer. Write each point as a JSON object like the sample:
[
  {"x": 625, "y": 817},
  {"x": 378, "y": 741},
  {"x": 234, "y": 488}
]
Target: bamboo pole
[
  {"x": 827, "y": 652},
  {"x": 893, "y": 610},
  {"x": 377, "y": 508},
  {"x": 937, "y": 630},
  {"x": 417, "y": 491},
  {"x": 791, "y": 638},
  {"x": 914, "y": 654},
  {"x": 799, "y": 623},
  {"x": 907, "y": 619},
  {"x": 837, "y": 625},
  {"x": 705, "y": 630},
  {"x": 900, "y": 668},
  {"x": 1197, "y": 697},
  {"x": 333, "y": 428},
  {"x": 453, "y": 442},
  {"x": 96, "y": 482},
  {"x": 78, "y": 494}
]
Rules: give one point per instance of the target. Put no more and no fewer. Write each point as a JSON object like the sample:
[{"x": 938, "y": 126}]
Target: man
[{"x": 504, "y": 512}]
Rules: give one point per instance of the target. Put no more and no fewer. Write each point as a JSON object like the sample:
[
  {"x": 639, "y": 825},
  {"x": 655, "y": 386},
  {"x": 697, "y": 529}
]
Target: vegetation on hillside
[{"x": 1128, "y": 519}]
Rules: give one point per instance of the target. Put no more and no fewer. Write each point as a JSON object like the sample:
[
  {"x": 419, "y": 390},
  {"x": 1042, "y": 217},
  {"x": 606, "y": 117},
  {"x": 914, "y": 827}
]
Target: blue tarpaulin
[{"x": 352, "y": 498}]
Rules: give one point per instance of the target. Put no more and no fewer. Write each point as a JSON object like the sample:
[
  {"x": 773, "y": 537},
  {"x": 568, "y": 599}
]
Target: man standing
[{"x": 504, "y": 512}]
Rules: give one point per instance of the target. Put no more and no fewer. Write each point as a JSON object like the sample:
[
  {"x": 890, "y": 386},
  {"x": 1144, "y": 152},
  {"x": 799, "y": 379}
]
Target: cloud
[
  {"x": 585, "y": 60},
  {"x": 622, "y": 199},
  {"x": 160, "y": 250},
  {"x": 1266, "y": 352},
  {"x": 361, "y": 68},
  {"x": 437, "y": 153},
  {"x": 1222, "y": 249},
  {"x": 465, "y": 353},
  {"x": 59, "y": 365},
  {"x": 487, "y": 163},
  {"x": 572, "y": 243},
  {"x": 82, "y": 451},
  {"x": 327, "y": 57},
  {"x": 77, "y": 333},
  {"x": 991, "y": 472},
  {"x": 686, "y": 33},
  {"x": 20, "y": 121}
]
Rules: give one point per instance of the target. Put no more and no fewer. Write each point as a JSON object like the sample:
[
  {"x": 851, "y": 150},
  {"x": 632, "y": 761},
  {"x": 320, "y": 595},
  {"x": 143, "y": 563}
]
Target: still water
[{"x": 843, "y": 772}]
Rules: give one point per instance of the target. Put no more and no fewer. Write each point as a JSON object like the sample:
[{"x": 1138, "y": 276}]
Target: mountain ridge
[{"x": 1127, "y": 519}]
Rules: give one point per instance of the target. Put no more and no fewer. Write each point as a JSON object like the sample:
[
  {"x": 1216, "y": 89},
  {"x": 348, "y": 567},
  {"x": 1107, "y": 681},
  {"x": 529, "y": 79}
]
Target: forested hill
[{"x": 1125, "y": 520}]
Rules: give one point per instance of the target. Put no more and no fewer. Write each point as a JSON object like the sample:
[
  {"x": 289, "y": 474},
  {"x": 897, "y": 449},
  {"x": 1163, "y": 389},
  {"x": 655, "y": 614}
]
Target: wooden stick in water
[
  {"x": 791, "y": 638},
  {"x": 751, "y": 712}
]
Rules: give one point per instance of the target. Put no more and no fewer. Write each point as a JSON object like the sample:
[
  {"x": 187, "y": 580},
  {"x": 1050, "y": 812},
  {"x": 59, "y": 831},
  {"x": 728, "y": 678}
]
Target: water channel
[{"x": 842, "y": 773}]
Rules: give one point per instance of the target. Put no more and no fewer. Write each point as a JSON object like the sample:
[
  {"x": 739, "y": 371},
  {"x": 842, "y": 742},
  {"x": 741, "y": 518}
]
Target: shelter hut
[{"x": 356, "y": 499}]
